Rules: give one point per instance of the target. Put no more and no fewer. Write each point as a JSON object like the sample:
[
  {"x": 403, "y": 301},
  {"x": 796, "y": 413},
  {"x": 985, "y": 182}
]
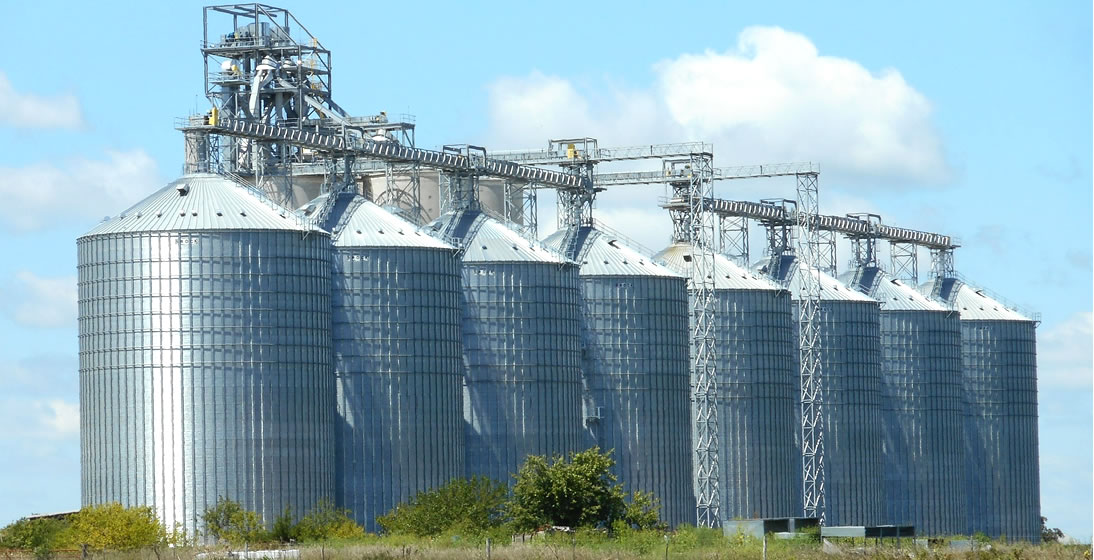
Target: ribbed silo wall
[
  {"x": 850, "y": 337},
  {"x": 922, "y": 408},
  {"x": 1000, "y": 377},
  {"x": 760, "y": 465},
  {"x": 522, "y": 352},
  {"x": 399, "y": 375},
  {"x": 636, "y": 370},
  {"x": 205, "y": 371}
]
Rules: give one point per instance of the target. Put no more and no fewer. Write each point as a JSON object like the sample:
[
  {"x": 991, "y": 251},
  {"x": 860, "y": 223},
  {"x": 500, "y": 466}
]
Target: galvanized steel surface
[
  {"x": 202, "y": 201},
  {"x": 922, "y": 407},
  {"x": 757, "y": 391},
  {"x": 397, "y": 360},
  {"x": 205, "y": 364},
  {"x": 521, "y": 333},
  {"x": 999, "y": 360},
  {"x": 636, "y": 369},
  {"x": 851, "y": 367}
]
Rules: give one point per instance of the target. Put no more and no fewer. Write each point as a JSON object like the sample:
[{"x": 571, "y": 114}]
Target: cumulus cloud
[
  {"x": 771, "y": 98},
  {"x": 1064, "y": 358},
  {"x": 527, "y": 111},
  {"x": 43, "y": 194},
  {"x": 38, "y": 400},
  {"x": 26, "y": 110},
  {"x": 41, "y": 301}
]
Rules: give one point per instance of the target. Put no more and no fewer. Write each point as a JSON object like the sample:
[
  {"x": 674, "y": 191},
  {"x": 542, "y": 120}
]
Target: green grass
[{"x": 688, "y": 543}]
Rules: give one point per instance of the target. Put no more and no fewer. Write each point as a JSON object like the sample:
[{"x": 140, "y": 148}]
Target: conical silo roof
[
  {"x": 728, "y": 276},
  {"x": 783, "y": 270},
  {"x": 602, "y": 254},
  {"x": 355, "y": 221},
  {"x": 203, "y": 201},
  {"x": 972, "y": 302},
  {"x": 485, "y": 239},
  {"x": 891, "y": 293}
]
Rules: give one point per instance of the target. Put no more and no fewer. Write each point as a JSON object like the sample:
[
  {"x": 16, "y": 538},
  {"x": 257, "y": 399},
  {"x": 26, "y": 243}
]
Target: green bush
[
  {"x": 227, "y": 521},
  {"x": 326, "y": 522},
  {"x": 577, "y": 492},
  {"x": 468, "y": 507},
  {"x": 113, "y": 527},
  {"x": 33, "y": 534},
  {"x": 284, "y": 528}
]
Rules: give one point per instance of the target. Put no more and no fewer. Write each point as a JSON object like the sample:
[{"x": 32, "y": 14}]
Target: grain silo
[
  {"x": 922, "y": 407},
  {"x": 999, "y": 361},
  {"x": 522, "y": 346},
  {"x": 759, "y": 461},
  {"x": 851, "y": 373},
  {"x": 205, "y": 355},
  {"x": 636, "y": 368},
  {"x": 397, "y": 357}
]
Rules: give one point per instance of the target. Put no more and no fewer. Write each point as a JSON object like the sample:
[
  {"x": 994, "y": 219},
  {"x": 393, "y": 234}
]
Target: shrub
[
  {"x": 325, "y": 522},
  {"x": 469, "y": 507},
  {"x": 113, "y": 527},
  {"x": 33, "y": 534},
  {"x": 578, "y": 492},
  {"x": 227, "y": 521}
]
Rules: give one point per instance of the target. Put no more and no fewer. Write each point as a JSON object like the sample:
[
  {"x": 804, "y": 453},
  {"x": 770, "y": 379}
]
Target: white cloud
[
  {"x": 771, "y": 98},
  {"x": 41, "y": 301},
  {"x": 525, "y": 112},
  {"x": 38, "y": 399},
  {"x": 1064, "y": 358},
  {"x": 33, "y": 422},
  {"x": 62, "y": 418},
  {"x": 44, "y": 195},
  {"x": 26, "y": 110}
]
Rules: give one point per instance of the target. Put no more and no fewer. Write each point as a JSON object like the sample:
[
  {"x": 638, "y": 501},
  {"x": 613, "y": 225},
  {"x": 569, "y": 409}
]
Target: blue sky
[{"x": 971, "y": 118}]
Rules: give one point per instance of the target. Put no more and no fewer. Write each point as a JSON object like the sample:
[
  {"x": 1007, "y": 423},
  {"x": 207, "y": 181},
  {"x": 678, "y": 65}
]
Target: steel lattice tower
[
  {"x": 691, "y": 180},
  {"x": 809, "y": 315}
]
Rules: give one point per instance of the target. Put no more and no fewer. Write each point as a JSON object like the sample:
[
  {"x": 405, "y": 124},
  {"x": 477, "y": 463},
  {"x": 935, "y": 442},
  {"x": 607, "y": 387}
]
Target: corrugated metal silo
[
  {"x": 851, "y": 370},
  {"x": 205, "y": 354},
  {"x": 759, "y": 461},
  {"x": 522, "y": 346},
  {"x": 636, "y": 368},
  {"x": 922, "y": 407},
  {"x": 397, "y": 358},
  {"x": 999, "y": 360}
]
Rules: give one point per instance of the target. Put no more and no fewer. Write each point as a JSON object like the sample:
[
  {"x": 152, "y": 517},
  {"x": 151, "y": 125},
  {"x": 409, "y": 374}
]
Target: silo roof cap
[
  {"x": 891, "y": 293},
  {"x": 203, "y": 201},
  {"x": 355, "y": 221},
  {"x": 727, "y": 275},
  {"x": 487, "y": 240},
  {"x": 600, "y": 253}
]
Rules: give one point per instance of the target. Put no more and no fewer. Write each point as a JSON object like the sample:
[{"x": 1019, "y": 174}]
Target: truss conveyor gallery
[{"x": 391, "y": 151}]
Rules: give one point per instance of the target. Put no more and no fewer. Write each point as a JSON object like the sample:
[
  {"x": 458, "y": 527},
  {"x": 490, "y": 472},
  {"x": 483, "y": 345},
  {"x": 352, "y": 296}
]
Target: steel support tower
[
  {"x": 691, "y": 180},
  {"x": 809, "y": 347}
]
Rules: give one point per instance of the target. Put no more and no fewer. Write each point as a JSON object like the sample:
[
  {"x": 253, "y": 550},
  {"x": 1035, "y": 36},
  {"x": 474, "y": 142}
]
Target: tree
[
  {"x": 578, "y": 492},
  {"x": 1050, "y": 535},
  {"x": 228, "y": 521},
  {"x": 113, "y": 527},
  {"x": 472, "y": 506}
]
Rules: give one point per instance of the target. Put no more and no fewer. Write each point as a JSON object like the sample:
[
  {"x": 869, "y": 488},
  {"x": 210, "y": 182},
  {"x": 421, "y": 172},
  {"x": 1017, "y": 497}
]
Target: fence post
[{"x": 487, "y": 548}]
